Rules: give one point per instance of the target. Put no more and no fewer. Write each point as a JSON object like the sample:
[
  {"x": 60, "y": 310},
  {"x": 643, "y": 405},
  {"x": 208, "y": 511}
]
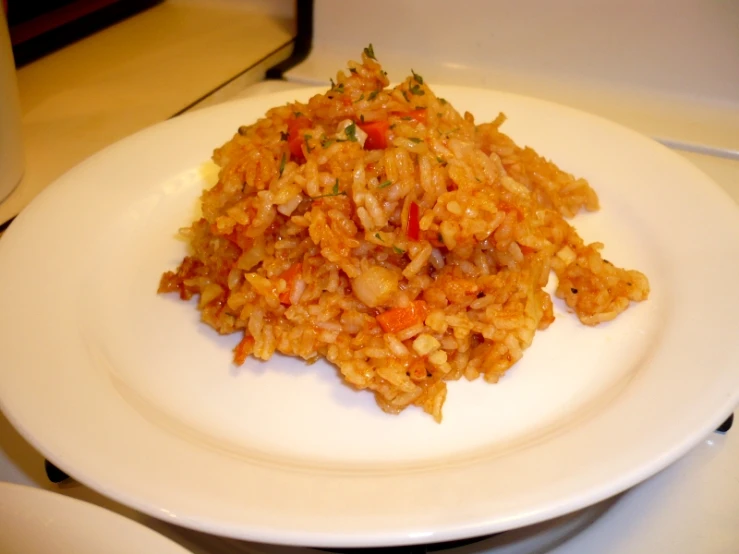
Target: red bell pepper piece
[
  {"x": 412, "y": 229},
  {"x": 377, "y": 132}
]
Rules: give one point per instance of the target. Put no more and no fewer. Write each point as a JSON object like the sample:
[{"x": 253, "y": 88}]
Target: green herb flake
[
  {"x": 405, "y": 95},
  {"x": 417, "y": 77},
  {"x": 440, "y": 238},
  {"x": 283, "y": 161},
  {"x": 326, "y": 142},
  {"x": 440, "y": 159},
  {"x": 378, "y": 237},
  {"x": 353, "y": 70},
  {"x": 417, "y": 90},
  {"x": 373, "y": 95},
  {"x": 370, "y": 52},
  {"x": 442, "y": 100},
  {"x": 340, "y": 88},
  {"x": 361, "y": 117},
  {"x": 385, "y": 185},
  {"x": 306, "y": 138},
  {"x": 406, "y": 118},
  {"x": 332, "y": 84},
  {"x": 351, "y": 132},
  {"x": 360, "y": 98},
  {"x": 334, "y": 192},
  {"x": 398, "y": 251},
  {"x": 415, "y": 139}
]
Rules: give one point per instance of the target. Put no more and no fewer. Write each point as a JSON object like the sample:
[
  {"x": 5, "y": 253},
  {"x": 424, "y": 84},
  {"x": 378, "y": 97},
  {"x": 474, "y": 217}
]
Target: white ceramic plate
[
  {"x": 35, "y": 521},
  {"x": 129, "y": 393}
]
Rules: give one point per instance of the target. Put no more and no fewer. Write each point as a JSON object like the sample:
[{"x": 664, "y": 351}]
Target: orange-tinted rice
[{"x": 309, "y": 254}]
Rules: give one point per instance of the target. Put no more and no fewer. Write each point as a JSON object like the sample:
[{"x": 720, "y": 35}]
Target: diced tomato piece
[
  {"x": 295, "y": 138},
  {"x": 397, "y": 319},
  {"x": 413, "y": 228},
  {"x": 290, "y": 275},
  {"x": 377, "y": 132}
]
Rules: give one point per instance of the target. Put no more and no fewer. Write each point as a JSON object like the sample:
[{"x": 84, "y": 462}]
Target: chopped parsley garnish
[
  {"x": 415, "y": 139},
  {"x": 340, "y": 87},
  {"x": 351, "y": 132},
  {"x": 334, "y": 192},
  {"x": 352, "y": 70},
  {"x": 326, "y": 142},
  {"x": 306, "y": 138},
  {"x": 442, "y": 100},
  {"x": 360, "y": 98},
  {"x": 385, "y": 185},
  {"x": 405, "y": 95},
  {"x": 284, "y": 135},
  {"x": 417, "y": 77},
  {"x": 440, "y": 238},
  {"x": 440, "y": 159},
  {"x": 397, "y": 250},
  {"x": 417, "y": 90},
  {"x": 373, "y": 95},
  {"x": 370, "y": 52},
  {"x": 378, "y": 237},
  {"x": 332, "y": 84},
  {"x": 282, "y": 163},
  {"x": 406, "y": 118}
]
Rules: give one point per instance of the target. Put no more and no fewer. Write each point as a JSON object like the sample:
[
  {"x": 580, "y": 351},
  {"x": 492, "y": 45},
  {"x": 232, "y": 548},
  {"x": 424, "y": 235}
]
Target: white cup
[{"x": 11, "y": 146}]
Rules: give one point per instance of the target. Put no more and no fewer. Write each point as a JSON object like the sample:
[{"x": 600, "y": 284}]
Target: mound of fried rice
[{"x": 379, "y": 229}]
